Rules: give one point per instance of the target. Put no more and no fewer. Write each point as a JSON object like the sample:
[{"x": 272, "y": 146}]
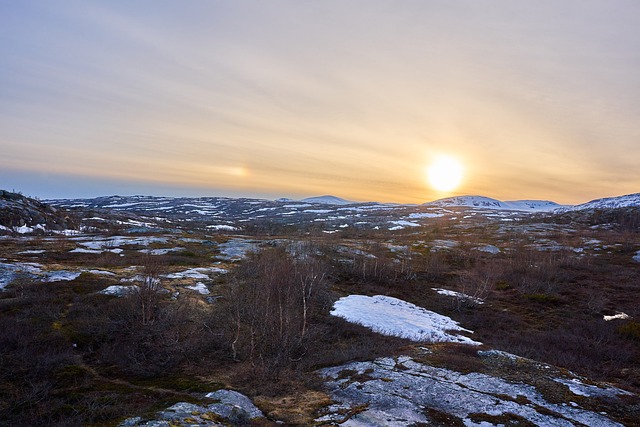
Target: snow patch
[
  {"x": 163, "y": 251},
  {"x": 9, "y": 272},
  {"x": 200, "y": 287},
  {"x": 419, "y": 215},
  {"x": 61, "y": 275},
  {"x": 395, "y": 317},
  {"x": 118, "y": 290},
  {"x": 444, "y": 244},
  {"x": 100, "y": 272},
  {"x": 85, "y": 251},
  {"x": 236, "y": 249},
  {"x": 224, "y": 227},
  {"x": 196, "y": 273},
  {"x": 579, "y": 388},
  {"x": 117, "y": 241},
  {"x": 403, "y": 223},
  {"x": 327, "y": 200},
  {"x": 621, "y": 316},
  {"x": 23, "y": 229}
]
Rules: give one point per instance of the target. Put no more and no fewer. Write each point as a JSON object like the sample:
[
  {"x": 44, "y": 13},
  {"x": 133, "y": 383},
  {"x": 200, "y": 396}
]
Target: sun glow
[{"x": 445, "y": 173}]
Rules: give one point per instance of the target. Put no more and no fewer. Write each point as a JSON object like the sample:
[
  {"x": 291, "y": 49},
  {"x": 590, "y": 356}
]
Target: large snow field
[{"x": 395, "y": 317}]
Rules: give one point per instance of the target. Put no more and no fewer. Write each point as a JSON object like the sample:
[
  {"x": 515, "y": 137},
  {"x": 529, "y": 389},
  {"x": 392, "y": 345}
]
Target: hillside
[
  {"x": 327, "y": 200},
  {"x": 24, "y": 215},
  {"x": 629, "y": 200},
  {"x": 482, "y": 202}
]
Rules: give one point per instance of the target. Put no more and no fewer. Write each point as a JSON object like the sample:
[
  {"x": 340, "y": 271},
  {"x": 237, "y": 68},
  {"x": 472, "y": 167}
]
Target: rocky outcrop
[
  {"x": 229, "y": 407},
  {"x": 23, "y": 215},
  {"x": 402, "y": 391}
]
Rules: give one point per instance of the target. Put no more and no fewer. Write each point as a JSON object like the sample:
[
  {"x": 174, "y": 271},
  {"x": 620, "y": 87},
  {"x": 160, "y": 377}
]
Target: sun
[{"x": 445, "y": 173}]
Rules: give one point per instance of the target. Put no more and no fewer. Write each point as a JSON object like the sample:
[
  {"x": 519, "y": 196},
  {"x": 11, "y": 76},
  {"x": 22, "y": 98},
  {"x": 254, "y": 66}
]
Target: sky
[{"x": 289, "y": 98}]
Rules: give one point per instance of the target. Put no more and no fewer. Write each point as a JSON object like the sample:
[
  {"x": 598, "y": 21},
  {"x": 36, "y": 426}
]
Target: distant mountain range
[
  {"x": 482, "y": 202},
  {"x": 328, "y": 200},
  {"x": 23, "y": 214}
]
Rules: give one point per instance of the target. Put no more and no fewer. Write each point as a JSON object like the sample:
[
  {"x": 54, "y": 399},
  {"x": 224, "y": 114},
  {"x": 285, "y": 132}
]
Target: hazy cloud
[{"x": 537, "y": 99}]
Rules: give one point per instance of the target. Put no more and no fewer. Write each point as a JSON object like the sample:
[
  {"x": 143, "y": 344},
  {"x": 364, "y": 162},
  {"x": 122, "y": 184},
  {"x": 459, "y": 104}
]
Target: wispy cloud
[{"x": 538, "y": 99}]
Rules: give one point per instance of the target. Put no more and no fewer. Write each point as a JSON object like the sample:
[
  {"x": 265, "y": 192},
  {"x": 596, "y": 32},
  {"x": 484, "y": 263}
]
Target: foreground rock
[
  {"x": 401, "y": 391},
  {"x": 230, "y": 407}
]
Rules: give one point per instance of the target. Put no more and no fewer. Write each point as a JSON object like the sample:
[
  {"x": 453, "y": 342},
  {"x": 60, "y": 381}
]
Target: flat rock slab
[{"x": 400, "y": 391}]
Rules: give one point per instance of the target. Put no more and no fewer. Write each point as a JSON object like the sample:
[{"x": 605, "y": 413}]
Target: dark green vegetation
[{"x": 72, "y": 356}]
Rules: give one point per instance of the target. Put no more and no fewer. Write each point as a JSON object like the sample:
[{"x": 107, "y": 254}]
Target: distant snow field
[
  {"x": 419, "y": 215},
  {"x": 399, "y": 225},
  {"x": 223, "y": 227},
  {"x": 163, "y": 251},
  {"x": 395, "y": 317}
]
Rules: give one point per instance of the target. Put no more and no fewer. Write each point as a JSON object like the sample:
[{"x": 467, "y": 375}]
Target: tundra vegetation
[{"x": 184, "y": 317}]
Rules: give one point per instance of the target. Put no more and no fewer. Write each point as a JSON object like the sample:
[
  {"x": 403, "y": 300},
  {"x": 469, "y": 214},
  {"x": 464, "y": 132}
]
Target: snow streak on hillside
[
  {"x": 629, "y": 200},
  {"x": 489, "y": 203},
  {"x": 327, "y": 200}
]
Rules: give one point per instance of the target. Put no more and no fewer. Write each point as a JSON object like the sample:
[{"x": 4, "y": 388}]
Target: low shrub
[
  {"x": 542, "y": 298},
  {"x": 630, "y": 330}
]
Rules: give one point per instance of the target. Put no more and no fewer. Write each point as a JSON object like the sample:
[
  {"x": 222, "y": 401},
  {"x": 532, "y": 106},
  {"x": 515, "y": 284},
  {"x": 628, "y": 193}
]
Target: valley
[{"x": 151, "y": 311}]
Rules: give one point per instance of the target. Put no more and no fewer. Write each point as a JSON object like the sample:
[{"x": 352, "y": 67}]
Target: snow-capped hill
[
  {"x": 468, "y": 201},
  {"x": 629, "y": 200},
  {"x": 327, "y": 200},
  {"x": 482, "y": 202},
  {"x": 533, "y": 205}
]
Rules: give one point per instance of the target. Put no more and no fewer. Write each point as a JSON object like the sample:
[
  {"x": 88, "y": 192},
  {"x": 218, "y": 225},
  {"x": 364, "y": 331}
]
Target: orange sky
[{"x": 537, "y": 100}]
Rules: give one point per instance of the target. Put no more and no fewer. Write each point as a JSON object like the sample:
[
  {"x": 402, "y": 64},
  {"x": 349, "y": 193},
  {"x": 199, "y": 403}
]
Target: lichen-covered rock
[
  {"x": 400, "y": 391},
  {"x": 233, "y": 405},
  {"x": 231, "y": 408}
]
